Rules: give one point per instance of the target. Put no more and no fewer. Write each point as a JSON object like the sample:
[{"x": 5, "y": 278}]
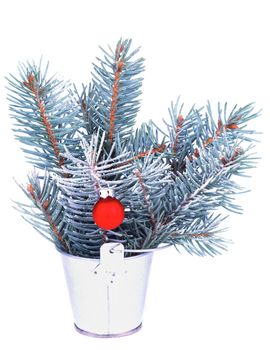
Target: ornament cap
[{"x": 106, "y": 192}]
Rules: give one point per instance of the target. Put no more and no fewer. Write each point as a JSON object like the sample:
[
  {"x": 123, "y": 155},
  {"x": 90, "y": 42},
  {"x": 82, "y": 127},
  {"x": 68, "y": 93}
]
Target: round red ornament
[{"x": 108, "y": 212}]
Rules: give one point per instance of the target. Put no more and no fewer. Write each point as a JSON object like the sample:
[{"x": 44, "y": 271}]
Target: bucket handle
[{"x": 118, "y": 248}]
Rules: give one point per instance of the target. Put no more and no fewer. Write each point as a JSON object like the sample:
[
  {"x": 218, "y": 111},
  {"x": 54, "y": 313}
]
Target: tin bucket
[{"x": 107, "y": 295}]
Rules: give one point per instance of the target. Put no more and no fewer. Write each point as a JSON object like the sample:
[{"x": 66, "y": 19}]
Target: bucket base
[{"x": 89, "y": 334}]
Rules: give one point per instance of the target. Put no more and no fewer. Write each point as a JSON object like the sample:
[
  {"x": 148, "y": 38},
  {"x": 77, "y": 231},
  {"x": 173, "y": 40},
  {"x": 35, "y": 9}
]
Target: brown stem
[
  {"x": 210, "y": 140},
  {"x": 179, "y": 124},
  {"x": 115, "y": 93},
  {"x": 32, "y": 85},
  {"x": 140, "y": 155},
  {"x": 48, "y": 216}
]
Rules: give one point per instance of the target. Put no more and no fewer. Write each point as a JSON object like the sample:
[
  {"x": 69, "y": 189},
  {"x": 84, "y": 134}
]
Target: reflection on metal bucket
[{"x": 107, "y": 294}]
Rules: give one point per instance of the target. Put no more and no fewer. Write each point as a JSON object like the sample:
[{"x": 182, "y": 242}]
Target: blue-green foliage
[
  {"x": 171, "y": 180},
  {"x": 86, "y": 109},
  {"x": 44, "y": 212},
  {"x": 116, "y": 88},
  {"x": 80, "y": 192},
  {"x": 45, "y": 116}
]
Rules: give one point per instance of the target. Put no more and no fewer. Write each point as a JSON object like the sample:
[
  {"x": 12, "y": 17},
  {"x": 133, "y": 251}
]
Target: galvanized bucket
[{"x": 107, "y": 295}]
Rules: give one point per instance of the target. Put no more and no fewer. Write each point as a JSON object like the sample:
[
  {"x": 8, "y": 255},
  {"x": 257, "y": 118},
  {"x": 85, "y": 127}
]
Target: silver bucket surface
[{"x": 108, "y": 294}]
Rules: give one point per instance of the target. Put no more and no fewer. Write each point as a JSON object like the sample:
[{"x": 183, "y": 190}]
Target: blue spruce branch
[
  {"x": 117, "y": 87},
  {"x": 80, "y": 192},
  {"x": 172, "y": 181},
  {"x": 44, "y": 213},
  {"x": 45, "y": 117}
]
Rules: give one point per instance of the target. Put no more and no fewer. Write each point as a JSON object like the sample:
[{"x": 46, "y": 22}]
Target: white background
[{"x": 217, "y": 50}]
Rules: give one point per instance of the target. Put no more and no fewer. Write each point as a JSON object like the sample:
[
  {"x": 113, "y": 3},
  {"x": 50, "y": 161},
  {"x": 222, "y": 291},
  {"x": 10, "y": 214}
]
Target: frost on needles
[{"x": 171, "y": 178}]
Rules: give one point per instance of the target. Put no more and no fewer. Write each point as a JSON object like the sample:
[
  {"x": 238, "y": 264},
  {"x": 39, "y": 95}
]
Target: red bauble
[{"x": 108, "y": 213}]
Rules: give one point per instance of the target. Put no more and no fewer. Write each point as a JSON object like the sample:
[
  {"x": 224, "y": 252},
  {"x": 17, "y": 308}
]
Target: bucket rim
[{"x": 71, "y": 256}]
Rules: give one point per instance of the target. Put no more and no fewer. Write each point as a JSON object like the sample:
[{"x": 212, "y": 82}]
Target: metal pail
[{"x": 107, "y": 295}]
